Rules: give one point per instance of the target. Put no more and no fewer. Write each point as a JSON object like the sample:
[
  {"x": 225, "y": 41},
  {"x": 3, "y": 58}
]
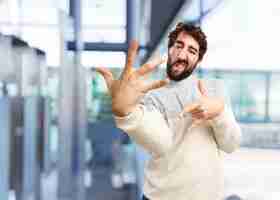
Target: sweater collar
[{"x": 185, "y": 81}]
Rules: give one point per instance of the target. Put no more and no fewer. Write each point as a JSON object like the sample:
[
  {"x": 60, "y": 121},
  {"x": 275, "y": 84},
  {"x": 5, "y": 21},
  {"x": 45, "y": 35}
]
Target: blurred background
[{"x": 58, "y": 139}]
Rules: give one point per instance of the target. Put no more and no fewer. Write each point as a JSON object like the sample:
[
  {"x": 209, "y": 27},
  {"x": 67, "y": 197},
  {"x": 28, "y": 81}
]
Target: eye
[
  {"x": 178, "y": 46},
  {"x": 193, "y": 52}
]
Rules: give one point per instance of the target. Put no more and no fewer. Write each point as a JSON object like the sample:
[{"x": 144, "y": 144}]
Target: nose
[{"x": 182, "y": 55}]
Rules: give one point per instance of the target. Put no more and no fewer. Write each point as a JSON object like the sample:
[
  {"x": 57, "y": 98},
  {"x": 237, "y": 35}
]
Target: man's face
[{"x": 182, "y": 57}]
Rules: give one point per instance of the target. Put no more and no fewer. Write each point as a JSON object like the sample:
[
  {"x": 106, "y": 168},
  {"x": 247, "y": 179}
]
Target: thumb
[
  {"x": 202, "y": 88},
  {"x": 107, "y": 75},
  {"x": 155, "y": 85}
]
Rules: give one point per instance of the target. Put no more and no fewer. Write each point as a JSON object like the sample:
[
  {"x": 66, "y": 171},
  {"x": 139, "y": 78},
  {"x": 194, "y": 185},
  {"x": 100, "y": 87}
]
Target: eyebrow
[{"x": 179, "y": 42}]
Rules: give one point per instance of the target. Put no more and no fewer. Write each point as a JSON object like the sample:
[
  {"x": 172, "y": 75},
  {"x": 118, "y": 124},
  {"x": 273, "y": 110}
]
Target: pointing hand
[{"x": 206, "y": 108}]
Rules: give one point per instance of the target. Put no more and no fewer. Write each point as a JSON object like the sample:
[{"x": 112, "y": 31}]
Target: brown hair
[{"x": 194, "y": 31}]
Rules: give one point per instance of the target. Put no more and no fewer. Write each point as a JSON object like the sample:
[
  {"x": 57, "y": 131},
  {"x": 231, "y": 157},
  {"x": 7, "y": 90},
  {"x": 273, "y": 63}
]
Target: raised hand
[
  {"x": 206, "y": 107},
  {"x": 127, "y": 91}
]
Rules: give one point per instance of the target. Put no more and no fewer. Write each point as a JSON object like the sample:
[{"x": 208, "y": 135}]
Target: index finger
[
  {"x": 192, "y": 107},
  {"x": 189, "y": 108},
  {"x": 148, "y": 67},
  {"x": 155, "y": 85},
  {"x": 131, "y": 55}
]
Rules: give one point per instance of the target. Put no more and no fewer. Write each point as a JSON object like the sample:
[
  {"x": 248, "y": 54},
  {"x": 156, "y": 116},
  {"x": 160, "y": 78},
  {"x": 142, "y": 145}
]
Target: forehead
[{"x": 187, "y": 39}]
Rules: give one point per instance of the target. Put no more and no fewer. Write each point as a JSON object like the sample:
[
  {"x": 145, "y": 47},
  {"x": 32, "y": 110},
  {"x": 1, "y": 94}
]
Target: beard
[{"x": 184, "y": 74}]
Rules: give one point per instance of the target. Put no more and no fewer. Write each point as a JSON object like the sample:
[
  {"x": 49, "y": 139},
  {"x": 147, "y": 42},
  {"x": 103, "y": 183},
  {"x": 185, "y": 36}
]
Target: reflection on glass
[
  {"x": 248, "y": 102},
  {"x": 104, "y": 34},
  {"x": 102, "y": 19},
  {"x": 105, "y": 59},
  {"x": 104, "y": 12},
  {"x": 274, "y": 97},
  {"x": 252, "y": 96}
]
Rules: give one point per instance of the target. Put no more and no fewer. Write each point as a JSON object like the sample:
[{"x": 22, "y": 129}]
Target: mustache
[{"x": 180, "y": 61}]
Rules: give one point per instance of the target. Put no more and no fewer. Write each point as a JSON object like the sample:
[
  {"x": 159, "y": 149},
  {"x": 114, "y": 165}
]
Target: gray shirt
[{"x": 171, "y": 100}]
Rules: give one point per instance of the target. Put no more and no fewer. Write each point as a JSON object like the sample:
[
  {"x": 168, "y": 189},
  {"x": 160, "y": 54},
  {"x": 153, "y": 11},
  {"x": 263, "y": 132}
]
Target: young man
[{"x": 183, "y": 122}]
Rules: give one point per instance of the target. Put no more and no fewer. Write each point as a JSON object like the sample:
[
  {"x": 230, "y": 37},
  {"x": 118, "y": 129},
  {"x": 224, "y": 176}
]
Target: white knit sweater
[{"x": 186, "y": 161}]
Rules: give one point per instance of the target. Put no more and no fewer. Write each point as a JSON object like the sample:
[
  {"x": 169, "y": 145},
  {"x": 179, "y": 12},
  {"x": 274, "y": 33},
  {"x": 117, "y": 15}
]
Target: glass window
[
  {"x": 274, "y": 97},
  {"x": 101, "y": 58},
  {"x": 209, "y": 74},
  {"x": 102, "y": 12},
  {"x": 34, "y": 21},
  {"x": 36, "y": 37},
  {"x": 104, "y": 20},
  {"x": 42, "y": 12},
  {"x": 232, "y": 81},
  {"x": 248, "y": 94},
  {"x": 232, "y": 36},
  {"x": 252, "y": 96},
  {"x": 104, "y": 34},
  {"x": 8, "y": 29},
  {"x": 34, "y": 15},
  {"x": 9, "y": 10},
  {"x": 99, "y": 101}
]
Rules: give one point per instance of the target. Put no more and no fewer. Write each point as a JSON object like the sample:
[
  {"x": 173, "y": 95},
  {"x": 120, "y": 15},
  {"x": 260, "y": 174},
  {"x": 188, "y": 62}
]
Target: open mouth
[{"x": 178, "y": 67}]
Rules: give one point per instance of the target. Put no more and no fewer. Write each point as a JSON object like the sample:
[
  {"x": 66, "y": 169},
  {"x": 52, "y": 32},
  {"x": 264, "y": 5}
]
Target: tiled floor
[
  {"x": 101, "y": 188},
  {"x": 252, "y": 174}
]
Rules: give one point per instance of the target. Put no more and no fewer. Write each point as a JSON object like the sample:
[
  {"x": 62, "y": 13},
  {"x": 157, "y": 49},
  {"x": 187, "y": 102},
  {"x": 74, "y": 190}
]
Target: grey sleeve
[{"x": 147, "y": 127}]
